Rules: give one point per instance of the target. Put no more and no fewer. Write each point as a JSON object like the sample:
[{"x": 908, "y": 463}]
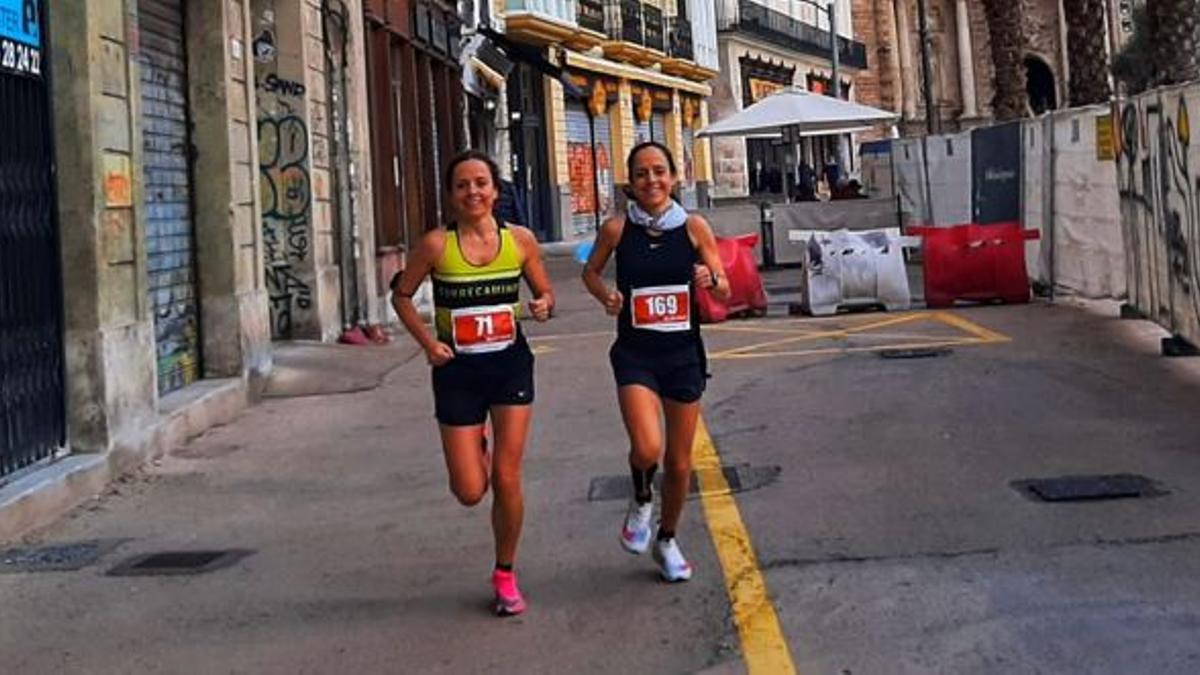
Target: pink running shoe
[{"x": 508, "y": 597}]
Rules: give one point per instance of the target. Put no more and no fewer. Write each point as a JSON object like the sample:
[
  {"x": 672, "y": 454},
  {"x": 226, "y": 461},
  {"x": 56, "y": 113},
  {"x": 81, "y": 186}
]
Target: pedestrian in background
[
  {"x": 663, "y": 255},
  {"x": 510, "y": 207},
  {"x": 482, "y": 364}
]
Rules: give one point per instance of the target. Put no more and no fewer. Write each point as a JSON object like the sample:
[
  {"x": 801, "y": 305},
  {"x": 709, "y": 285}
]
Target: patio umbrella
[{"x": 794, "y": 111}]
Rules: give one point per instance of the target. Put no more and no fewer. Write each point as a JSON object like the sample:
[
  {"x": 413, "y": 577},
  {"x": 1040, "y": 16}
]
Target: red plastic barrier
[
  {"x": 747, "y": 294},
  {"x": 975, "y": 262}
]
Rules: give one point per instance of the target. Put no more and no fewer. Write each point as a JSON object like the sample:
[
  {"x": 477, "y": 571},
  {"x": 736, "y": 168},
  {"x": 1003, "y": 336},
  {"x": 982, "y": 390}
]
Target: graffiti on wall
[
  {"x": 1159, "y": 179},
  {"x": 286, "y": 149},
  {"x": 287, "y": 206}
]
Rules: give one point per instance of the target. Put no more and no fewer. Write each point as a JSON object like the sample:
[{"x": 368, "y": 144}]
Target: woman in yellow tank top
[{"x": 482, "y": 365}]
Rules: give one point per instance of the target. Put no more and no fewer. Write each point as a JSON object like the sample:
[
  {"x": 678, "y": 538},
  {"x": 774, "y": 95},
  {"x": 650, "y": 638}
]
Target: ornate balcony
[
  {"x": 541, "y": 22},
  {"x": 791, "y": 33},
  {"x": 681, "y": 50},
  {"x": 627, "y": 32},
  {"x": 590, "y": 19},
  {"x": 679, "y": 39}
]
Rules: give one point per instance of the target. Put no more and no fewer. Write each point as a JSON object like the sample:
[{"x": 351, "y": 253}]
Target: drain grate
[
  {"x": 171, "y": 563},
  {"x": 56, "y": 558},
  {"x": 1089, "y": 488},
  {"x": 916, "y": 353},
  {"x": 741, "y": 478}
]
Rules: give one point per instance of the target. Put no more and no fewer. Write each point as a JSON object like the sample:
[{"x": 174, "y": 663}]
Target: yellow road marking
[
  {"x": 751, "y": 329},
  {"x": 763, "y": 646},
  {"x": 825, "y": 351},
  {"x": 542, "y": 349},
  {"x": 967, "y": 326},
  {"x": 840, "y": 332}
]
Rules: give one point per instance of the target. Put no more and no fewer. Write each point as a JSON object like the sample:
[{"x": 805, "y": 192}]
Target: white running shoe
[
  {"x": 635, "y": 535},
  {"x": 671, "y": 564}
]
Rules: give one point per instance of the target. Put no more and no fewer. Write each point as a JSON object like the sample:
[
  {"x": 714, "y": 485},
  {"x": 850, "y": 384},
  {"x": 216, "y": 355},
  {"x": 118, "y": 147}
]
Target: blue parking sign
[{"x": 20, "y": 37}]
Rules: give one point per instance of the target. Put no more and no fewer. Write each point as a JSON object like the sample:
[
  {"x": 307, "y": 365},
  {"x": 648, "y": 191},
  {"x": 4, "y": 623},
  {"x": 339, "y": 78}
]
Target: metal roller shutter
[
  {"x": 658, "y": 128},
  {"x": 170, "y": 231},
  {"x": 606, "y": 200},
  {"x": 582, "y": 170},
  {"x": 641, "y": 132}
]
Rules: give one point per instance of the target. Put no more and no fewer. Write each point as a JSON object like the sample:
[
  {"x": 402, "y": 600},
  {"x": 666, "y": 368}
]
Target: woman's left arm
[
  {"x": 710, "y": 274},
  {"x": 542, "y": 305}
]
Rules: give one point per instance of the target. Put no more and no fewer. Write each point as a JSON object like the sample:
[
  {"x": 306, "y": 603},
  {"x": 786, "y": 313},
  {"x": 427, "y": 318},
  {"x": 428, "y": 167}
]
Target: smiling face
[
  {"x": 472, "y": 190},
  {"x": 652, "y": 179}
]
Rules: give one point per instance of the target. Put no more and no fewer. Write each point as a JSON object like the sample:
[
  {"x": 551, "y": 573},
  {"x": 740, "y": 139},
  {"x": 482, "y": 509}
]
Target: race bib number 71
[
  {"x": 662, "y": 308},
  {"x": 480, "y": 330}
]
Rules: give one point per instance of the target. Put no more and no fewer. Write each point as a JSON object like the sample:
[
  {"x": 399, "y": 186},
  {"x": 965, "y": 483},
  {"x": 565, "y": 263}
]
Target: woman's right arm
[
  {"x": 418, "y": 266},
  {"x": 593, "y": 271}
]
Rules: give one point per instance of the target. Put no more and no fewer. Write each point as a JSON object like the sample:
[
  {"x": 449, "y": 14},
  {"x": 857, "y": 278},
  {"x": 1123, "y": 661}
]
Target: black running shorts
[
  {"x": 679, "y": 378},
  {"x": 469, "y": 385}
]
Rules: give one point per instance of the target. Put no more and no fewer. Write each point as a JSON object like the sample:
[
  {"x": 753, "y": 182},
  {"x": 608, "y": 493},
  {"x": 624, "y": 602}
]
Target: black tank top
[{"x": 645, "y": 261}]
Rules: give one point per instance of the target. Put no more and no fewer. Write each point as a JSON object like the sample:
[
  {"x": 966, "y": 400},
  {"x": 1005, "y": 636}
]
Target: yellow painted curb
[{"x": 763, "y": 646}]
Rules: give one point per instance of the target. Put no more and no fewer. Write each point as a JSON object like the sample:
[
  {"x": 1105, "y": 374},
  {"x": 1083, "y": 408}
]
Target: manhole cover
[
  {"x": 916, "y": 353},
  {"x": 1089, "y": 488},
  {"x": 742, "y": 478},
  {"x": 56, "y": 558},
  {"x": 177, "y": 562}
]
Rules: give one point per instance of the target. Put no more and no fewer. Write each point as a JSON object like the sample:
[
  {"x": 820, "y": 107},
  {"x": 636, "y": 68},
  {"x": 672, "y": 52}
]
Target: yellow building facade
[{"x": 620, "y": 74}]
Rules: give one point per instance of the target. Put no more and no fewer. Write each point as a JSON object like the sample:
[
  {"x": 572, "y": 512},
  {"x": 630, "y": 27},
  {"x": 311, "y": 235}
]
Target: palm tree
[
  {"x": 1133, "y": 66},
  {"x": 1005, "y": 19},
  {"x": 1173, "y": 27},
  {"x": 1087, "y": 53}
]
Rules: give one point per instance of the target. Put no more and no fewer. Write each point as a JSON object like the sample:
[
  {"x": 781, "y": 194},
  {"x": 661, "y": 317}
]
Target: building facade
[
  {"x": 765, "y": 46},
  {"x": 963, "y": 77},
  {"x": 588, "y": 80},
  {"x": 417, "y": 120},
  {"x": 192, "y": 184}
]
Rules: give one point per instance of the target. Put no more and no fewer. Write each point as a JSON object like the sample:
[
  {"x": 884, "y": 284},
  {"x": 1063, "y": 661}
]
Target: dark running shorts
[
  {"x": 469, "y": 385},
  {"x": 680, "y": 379}
]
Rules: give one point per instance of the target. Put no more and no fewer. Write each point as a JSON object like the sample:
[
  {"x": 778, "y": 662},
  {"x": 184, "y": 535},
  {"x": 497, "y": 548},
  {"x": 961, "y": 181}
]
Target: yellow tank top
[{"x": 457, "y": 284}]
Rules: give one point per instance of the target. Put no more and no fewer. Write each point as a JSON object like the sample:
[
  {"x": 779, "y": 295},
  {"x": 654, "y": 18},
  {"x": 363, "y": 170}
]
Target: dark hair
[
  {"x": 466, "y": 156},
  {"x": 650, "y": 144}
]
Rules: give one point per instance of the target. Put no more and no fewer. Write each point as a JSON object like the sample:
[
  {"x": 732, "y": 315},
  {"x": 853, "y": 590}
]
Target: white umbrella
[{"x": 802, "y": 113}]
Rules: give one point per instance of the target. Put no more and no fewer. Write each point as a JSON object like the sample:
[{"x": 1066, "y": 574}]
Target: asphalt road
[{"x": 873, "y": 494}]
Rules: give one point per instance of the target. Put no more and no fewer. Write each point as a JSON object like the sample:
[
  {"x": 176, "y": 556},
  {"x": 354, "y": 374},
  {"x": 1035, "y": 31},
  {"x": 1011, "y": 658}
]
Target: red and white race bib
[
  {"x": 665, "y": 309},
  {"x": 480, "y": 330}
]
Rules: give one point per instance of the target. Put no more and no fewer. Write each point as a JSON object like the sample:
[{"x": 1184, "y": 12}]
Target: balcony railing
[
  {"x": 791, "y": 33},
  {"x": 652, "y": 28},
  {"x": 624, "y": 19},
  {"x": 679, "y": 34},
  {"x": 591, "y": 15}
]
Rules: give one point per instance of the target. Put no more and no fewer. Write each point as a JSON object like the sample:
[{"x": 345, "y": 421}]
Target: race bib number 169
[{"x": 662, "y": 308}]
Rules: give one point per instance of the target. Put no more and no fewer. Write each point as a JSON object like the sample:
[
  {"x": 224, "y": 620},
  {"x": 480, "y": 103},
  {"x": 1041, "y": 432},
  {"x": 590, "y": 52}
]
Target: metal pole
[
  {"x": 835, "y": 59},
  {"x": 833, "y": 48},
  {"x": 931, "y": 118}
]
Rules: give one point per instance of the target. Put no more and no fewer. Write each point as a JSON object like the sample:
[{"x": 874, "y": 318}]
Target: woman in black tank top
[{"x": 663, "y": 255}]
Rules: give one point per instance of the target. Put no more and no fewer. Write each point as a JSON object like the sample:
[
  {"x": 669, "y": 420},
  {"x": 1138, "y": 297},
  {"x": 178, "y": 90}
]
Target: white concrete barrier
[{"x": 843, "y": 269}]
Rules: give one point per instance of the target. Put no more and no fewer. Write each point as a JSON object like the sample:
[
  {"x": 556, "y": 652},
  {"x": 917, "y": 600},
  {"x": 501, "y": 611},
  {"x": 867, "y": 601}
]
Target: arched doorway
[{"x": 1040, "y": 85}]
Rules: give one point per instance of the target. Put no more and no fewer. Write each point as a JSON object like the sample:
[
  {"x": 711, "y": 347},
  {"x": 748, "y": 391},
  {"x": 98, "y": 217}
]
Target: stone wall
[{"x": 875, "y": 23}]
